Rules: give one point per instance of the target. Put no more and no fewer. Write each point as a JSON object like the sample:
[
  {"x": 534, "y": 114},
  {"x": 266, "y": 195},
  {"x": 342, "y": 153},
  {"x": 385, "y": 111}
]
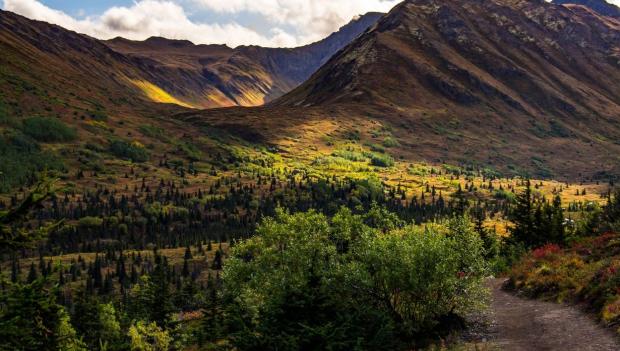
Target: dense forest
[{"x": 256, "y": 262}]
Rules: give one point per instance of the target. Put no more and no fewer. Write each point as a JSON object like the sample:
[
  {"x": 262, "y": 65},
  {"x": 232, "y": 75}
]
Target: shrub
[
  {"x": 307, "y": 282},
  {"x": 350, "y": 155},
  {"x": 48, "y": 130},
  {"x": 390, "y": 142},
  {"x": 148, "y": 337},
  {"x": 153, "y": 132},
  {"x": 90, "y": 222},
  {"x": 376, "y": 148},
  {"x": 332, "y": 162},
  {"x": 588, "y": 271},
  {"x": 549, "y": 249},
  {"x": 133, "y": 151},
  {"x": 382, "y": 160},
  {"x": 21, "y": 158}
]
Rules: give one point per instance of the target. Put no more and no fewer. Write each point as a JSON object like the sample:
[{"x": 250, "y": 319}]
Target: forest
[{"x": 281, "y": 262}]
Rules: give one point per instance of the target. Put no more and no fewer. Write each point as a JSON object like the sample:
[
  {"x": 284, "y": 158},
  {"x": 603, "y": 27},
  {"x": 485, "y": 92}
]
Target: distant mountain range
[
  {"x": 163, "y": 70},
  {"x": 216, "y": 75},
  {"x": 600, "y": 6}
]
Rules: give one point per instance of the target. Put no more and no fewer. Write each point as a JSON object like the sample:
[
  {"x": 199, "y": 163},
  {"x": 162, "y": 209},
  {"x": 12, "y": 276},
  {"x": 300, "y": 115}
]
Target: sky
[{"x": 274, "y": 23}]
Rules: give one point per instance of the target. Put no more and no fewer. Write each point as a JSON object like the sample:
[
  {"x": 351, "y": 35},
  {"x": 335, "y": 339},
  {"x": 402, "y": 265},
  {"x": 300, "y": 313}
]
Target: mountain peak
[
  {"x": 600, "y": 6},
  {"x": 476, "y": 71}
]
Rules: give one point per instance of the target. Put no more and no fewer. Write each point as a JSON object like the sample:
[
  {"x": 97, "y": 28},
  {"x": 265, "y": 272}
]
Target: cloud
[
  {"x": 312, "y": 19},
  {"x": 146, "y": 18}
]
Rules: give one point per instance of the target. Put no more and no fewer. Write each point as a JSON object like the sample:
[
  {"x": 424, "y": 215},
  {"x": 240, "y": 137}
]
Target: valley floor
[{"x": 520, "y": 324}]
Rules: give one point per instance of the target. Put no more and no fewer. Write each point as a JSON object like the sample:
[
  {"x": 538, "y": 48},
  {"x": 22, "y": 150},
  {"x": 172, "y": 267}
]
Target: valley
[{"x": 162, "y": 195}]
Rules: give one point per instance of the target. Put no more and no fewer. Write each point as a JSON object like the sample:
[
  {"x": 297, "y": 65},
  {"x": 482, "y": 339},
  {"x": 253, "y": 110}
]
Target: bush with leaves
[
  {"x": 307, "y": 282},
  {"x": 48, "y": 130},
  {"x": 21, "y": 158},
  {"x": 148, "y": 337},
  {"x": 381, "y": 160},
  {"x": 133, "y": 151}
]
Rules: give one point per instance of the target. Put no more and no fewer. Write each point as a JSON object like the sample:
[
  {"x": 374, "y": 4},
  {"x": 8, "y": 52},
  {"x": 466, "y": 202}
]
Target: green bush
[
  {"x": 48, "y": 130},
  {"x": 382, "y": 160},
  {"x": 390, "y": 142},
  {"x": 154, "y": 132},
  {"x": 350, "y": 155},
  {"x": 132, "y": 151},
  {"x": 328, "y": 161},
  {"x": 21, "y": 158},
  {"x": 352, "y": 282}
]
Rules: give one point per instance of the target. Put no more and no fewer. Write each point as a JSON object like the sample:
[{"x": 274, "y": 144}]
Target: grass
[
  {"x": 153, "y": 132},
  {"x": 157, "y": 94}
]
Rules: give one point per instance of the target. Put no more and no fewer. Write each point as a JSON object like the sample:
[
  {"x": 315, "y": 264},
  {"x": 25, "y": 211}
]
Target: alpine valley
[{"x": 352, "y": 194}]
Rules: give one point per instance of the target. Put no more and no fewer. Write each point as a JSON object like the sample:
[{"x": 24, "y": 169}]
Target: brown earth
[{"x": 520, "y": 324}]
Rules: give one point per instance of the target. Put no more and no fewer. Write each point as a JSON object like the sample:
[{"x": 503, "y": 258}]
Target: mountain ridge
[
  {"x": 600, "y": 6},
  {"x": 505, "y": 83},
  {"x": 219, "y": 76}
]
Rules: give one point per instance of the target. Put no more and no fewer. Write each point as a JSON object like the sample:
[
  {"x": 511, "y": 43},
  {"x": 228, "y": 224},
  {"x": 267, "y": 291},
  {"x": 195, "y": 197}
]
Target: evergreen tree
[
  {"x": 32, "y": 274},
  {"x": 522, "y": 215}
]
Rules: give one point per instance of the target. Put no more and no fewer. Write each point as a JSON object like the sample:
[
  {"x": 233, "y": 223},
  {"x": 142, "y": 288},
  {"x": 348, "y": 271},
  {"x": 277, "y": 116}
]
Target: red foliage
[
  {"x": 602, "y": 240},
  {"x": 543, "y": 252}
]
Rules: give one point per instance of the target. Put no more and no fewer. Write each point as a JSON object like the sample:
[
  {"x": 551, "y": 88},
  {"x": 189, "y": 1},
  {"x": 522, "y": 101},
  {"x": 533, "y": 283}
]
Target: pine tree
[
  {"x": 522, "y": 215},
  {"x": 558, "y": 231},
  {"x": 217, "y": 260},
  {"x": 32, "y": 274}
]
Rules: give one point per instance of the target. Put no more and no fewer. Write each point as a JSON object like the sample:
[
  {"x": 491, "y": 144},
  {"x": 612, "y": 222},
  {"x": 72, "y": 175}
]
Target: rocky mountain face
[
  {"x": 600, "y": 6},
  {"x": 503, "y": 83},
  {"x": 216, "y": 76}
]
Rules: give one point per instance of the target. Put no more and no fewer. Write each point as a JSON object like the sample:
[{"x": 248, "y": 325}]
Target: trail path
[{"x": 520, "y": 324}]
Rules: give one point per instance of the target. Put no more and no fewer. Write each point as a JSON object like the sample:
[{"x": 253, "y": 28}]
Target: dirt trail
[{"x": 530, "y": 325}]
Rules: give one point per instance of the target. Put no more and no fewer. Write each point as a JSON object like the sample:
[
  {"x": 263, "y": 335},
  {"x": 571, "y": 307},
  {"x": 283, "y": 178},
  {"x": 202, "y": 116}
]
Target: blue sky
[{"x": 234, "y": 22}]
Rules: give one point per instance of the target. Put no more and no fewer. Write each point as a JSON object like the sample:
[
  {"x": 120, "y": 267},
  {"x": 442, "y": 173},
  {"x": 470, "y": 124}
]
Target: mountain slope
[
  {"x": 216, "y": 75},
  {"x": 42, "y": 64},
  {"x": 520, "y": 86},
  {"x": 601, "y": 6},
  {"x": 111, "y": 110}
]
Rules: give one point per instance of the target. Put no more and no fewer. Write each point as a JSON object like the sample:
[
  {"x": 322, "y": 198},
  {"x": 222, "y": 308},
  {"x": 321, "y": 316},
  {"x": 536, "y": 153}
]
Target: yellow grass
[{"x": 157, "y": 94}]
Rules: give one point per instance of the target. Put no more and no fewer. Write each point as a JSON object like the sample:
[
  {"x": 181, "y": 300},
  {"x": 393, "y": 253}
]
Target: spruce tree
[{"x": 522, "y": 215}]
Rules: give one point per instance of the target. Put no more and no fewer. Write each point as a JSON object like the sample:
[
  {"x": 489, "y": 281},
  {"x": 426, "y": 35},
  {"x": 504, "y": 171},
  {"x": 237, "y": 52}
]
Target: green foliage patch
[
  {"x": 390, "y": 141},
  {"x": 48, "y": 130},
  {"x": 131, "y": 151},
  {"x": 381, "y": 160},
  {"x": 352, "y": 282},
  {"x": 21, "y": 158}
]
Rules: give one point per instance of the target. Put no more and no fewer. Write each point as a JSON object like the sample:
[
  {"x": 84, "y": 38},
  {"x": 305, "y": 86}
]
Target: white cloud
[
  {"x": 146, "y": 18},
  {"x": 313, "y": 19}
]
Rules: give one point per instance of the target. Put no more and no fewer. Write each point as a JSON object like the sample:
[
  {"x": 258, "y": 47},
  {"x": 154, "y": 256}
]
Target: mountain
[
  {"x": 71, "y": 103},
  {"x": 601, "y": 6},
  {"x": 215, "y": 75},
  {"x": 514, "y": 85},
  {"x": 158, "y": 69}
]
